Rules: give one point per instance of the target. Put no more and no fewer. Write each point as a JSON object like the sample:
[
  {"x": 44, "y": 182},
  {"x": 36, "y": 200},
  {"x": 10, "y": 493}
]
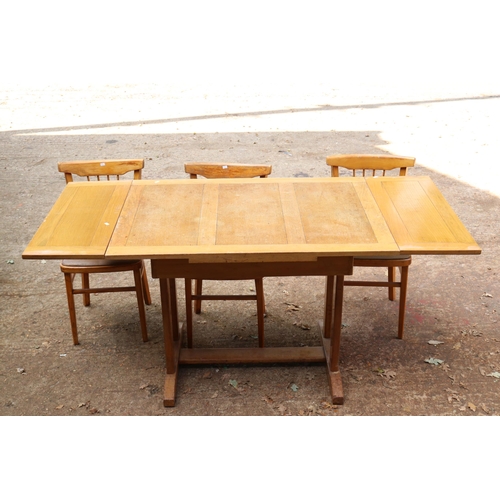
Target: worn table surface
[{"x": 250, "y": 220}]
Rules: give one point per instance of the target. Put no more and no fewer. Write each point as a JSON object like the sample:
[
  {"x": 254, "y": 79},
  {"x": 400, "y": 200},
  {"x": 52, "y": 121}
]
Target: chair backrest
[
  {"x": 95, "y": 169},
  {"x": 372, "y": 163},
  {"x": 226, "y": 170}
]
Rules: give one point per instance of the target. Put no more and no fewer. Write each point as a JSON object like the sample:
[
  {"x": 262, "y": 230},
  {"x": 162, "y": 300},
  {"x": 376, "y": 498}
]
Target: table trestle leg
[{"x": 172, "y": 338}]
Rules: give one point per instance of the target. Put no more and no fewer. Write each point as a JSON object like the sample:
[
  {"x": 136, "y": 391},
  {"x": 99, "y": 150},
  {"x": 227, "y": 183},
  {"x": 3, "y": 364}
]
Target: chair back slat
[
  {"x": 369, "y": 163},
  {"x": 226, "y": 170}
]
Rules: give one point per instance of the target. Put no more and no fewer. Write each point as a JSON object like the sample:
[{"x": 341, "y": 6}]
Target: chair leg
[
  {"x": 197, "y": 302},
  {"x": 68, "y": 278},
  {"x": 402, "y": 300},
  {"x": 261, "y": 307},
  {"x": 391, "y": 278},
  {"x": 189, "y": 311},
  {"x": 86, "y": 284},
  {"x": 140, "y": 303},
  {"x": 145, "y": 285}
]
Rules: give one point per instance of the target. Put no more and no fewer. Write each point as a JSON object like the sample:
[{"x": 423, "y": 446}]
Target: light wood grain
[
  {"x": 419, "y": 217},
  {"x": 250, "y": 214},
  {"x": 81, "y": 222},
  {"x": 207, "y": 235}
]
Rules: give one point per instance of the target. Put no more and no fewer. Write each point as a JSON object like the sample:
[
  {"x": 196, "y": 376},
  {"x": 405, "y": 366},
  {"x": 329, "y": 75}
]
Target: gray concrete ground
[{"x": 450, "y": 130}]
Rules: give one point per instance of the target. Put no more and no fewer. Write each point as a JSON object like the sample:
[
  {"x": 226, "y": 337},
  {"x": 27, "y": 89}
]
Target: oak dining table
[{"x": 249, "y": 228}]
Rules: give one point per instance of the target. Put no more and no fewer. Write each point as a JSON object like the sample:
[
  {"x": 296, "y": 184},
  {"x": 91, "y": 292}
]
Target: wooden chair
[
  {"x": 103, "y": 170},
  {"x": 375, "y": 164},
  {"x": 224, "y": 170}
]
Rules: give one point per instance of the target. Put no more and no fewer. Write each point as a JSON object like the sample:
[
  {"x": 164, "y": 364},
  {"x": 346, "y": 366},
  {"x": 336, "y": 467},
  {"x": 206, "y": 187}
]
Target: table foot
[
  {"x": 334, "y": 378},
  {"x": 336, "y": 390},
  {"x": 170, "y": 387}
]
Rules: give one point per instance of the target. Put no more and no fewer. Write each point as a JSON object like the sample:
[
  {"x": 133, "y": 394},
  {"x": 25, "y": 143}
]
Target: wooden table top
[
  {"x": 245, "y": 220},
  {"x": 81, "y": 222},
  {"x": 251, "y": 220},
  {"x": 419, "y": 217}
]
